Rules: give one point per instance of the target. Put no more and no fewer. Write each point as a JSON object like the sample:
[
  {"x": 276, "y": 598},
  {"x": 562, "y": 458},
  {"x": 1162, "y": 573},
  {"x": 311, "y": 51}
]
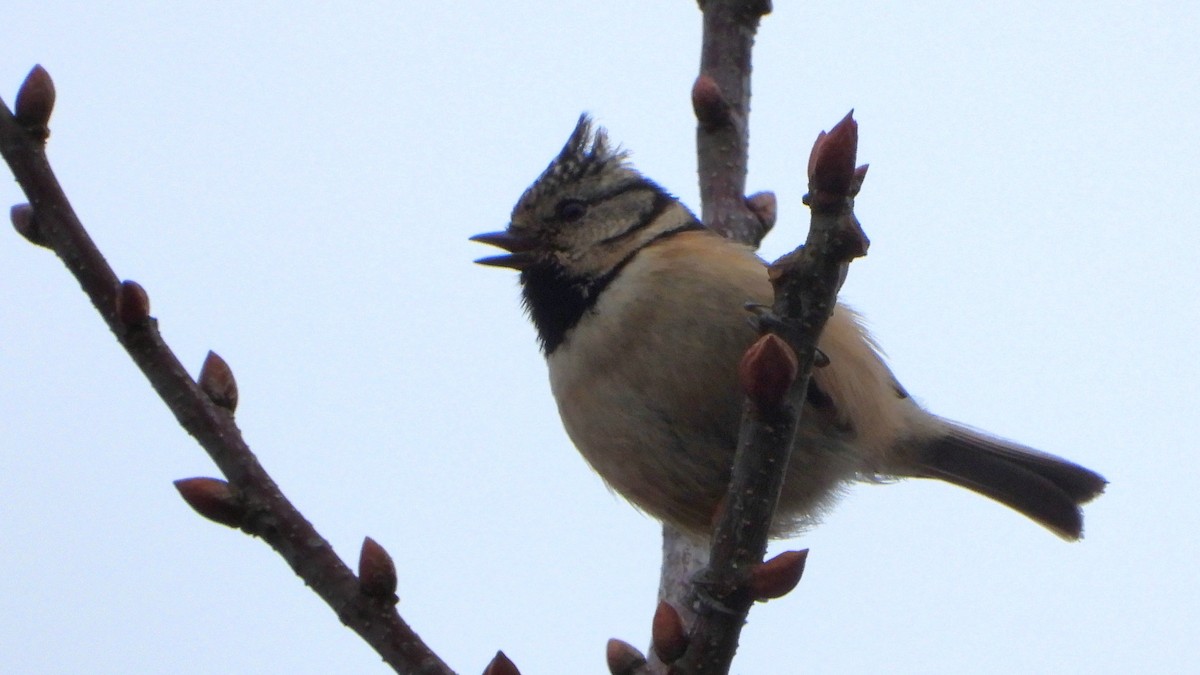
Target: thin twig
[{"x": 264, "y": 511}]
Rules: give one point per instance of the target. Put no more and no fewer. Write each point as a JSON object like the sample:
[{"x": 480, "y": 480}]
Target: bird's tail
[{"x": 1046, "y": 488}]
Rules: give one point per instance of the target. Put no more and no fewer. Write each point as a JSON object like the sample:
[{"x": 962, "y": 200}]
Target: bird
[{"x": 640, "y": 312}]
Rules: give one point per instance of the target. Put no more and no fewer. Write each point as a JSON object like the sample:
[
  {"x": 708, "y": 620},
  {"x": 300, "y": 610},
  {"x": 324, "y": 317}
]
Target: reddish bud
[
  {"x": 666, "y": 633},
  {"x": 501, "y": 665},
  {"x": 860, "y": 174},
  {"x": 214, "y": 499},
  {"x": 26, "y": 224},
  {"x": 831, "y": 163},
  {"x": 133, "y": 305},
  {"x": 764, "y": 207},
  {"x": 767, "y": 371},
  {"x": 376, "y": 572},
  {"x": 712, "y": 110},
  {"x": 35, "y": 102},
  {"x": 216, "y": 381},
  {"x": 623, "y": 658},
  {"x": 778, "y": 576},
  {"x": 812, "y": 154}
]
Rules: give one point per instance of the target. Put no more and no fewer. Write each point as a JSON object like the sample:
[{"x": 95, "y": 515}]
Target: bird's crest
[{"x": 586, "y": 153}]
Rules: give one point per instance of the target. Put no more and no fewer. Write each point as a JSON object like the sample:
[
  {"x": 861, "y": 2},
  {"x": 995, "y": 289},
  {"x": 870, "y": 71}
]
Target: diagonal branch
[
  {"x": 251, "y": 500},
  {"x": 774, "y": 372},
  {"x": 774, "y": 375}
]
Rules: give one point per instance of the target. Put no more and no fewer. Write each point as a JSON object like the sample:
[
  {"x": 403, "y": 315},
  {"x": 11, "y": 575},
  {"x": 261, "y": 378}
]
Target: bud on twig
[
  {"x": 831, "y": 163},
  {"x": 35, "y": 102},
  {"x": 623, "y": 658},
  {"x": 860, "y": 174},
  {"x": 778, "y": 576},
  {"x": 133, "y": 305},
  {"x": 501, "y": 665},
  {"x": 767, "y": 371},
  {"x": 216, "y": 381},
  {"x": 25, "y": 223},
  {"x": 376, "y": 572},
  {"x": 666, "y": 633},
  {"x": 214, "y": 499},
  {"x": 764, "y": 207},
  {"x": 712, "y": 110}
]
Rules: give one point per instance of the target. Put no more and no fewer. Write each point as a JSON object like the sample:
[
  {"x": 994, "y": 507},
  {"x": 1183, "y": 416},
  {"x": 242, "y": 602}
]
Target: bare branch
[
  {"x": 806, "y": 284},
  {"x": 774, "y": 373},
  {"x": 721, "y": 98},
  {"x": 251, "y": 500}
]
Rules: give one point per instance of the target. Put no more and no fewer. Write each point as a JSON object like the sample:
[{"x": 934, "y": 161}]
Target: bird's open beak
[{"x": 520, "y": 251}]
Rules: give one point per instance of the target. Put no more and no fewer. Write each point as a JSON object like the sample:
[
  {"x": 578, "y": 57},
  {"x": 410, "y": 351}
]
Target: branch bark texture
[
  {"x": 806, "y": 284},
  {"x": 266, "y": 512},
  {"x": 721, "y": 98}
]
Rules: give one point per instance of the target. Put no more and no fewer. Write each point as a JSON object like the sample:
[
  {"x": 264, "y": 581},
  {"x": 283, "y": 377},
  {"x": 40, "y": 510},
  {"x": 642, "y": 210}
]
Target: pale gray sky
[{"x": 294, "y": 185}]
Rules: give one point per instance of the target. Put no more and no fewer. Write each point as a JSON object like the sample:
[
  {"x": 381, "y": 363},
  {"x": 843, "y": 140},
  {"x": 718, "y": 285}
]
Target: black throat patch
[{"x": 557, "y": 301}]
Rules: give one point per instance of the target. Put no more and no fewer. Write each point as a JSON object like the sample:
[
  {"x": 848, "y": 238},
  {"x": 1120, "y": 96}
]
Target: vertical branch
[
  {"x": 721, "y": 101},
  {"x": 683, "y": 557},
  {"x": 774, "y": 373},
  {"x": 721, "y": 98}
]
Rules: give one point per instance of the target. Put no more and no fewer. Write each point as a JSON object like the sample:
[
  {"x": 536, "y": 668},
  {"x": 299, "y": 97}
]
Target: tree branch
[
  {"x": 721, "y": 99},
  {"x": 774, "y": 373},
  {"x": 250, "y": 500}
]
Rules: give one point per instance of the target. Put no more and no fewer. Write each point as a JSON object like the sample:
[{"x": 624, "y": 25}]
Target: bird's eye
[{"x": 570, "y": 209}]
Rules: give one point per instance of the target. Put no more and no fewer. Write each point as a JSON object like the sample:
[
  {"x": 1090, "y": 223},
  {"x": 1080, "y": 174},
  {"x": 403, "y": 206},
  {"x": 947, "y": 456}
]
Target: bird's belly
[{"x": 672, "y": 459}]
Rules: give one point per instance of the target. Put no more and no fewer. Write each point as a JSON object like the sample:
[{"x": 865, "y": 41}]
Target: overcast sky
[{"x": 294, "y": 186}]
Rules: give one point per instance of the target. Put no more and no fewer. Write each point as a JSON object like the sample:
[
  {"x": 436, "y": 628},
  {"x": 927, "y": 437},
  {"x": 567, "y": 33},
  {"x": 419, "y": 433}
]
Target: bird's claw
[{"x": 765, "y": 320}]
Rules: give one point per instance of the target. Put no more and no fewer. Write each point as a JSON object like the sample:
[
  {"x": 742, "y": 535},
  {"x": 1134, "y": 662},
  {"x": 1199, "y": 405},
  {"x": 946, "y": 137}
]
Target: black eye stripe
[
  {"x": 661, "y": 202},
  {"x": 567, "y": 210}
]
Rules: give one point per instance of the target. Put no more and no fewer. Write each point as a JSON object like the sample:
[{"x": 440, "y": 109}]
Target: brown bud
[
  {"x": 812, "y": 154},
  {"x": 623, "y": 658},
  {"x": 26, "y": 224},
  {"x": 35, "y": 102},
  {"x": 216, "y": 380},
  {"x": 214, "y": 499},
  {"x": 712, "y": 110},
  {"x": 133, "y": 305},
  {"x": 778, "y": 576},
  {"x": 666, "y": 633},
  {"x": 767, "y": 371},
  {"x": 501, "y": 665},
  {"x": 860, "y": 174},
  {"x": 764, "y": 207},
  {"x": 376, "y": 572},
  {"x": 831, "y": 163}
]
